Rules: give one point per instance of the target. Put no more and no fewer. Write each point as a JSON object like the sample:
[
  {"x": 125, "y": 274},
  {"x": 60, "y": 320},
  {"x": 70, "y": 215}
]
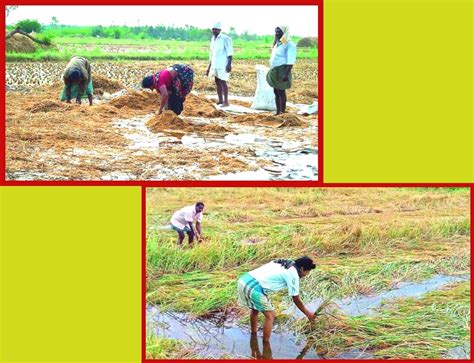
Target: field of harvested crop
[
  {"x": 392, "y": 276},
  {"x": 120, "y": 138}
]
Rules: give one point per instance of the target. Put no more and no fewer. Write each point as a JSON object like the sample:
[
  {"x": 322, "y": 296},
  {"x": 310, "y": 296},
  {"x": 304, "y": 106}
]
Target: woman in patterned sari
[{"x": 173, "y": 84}]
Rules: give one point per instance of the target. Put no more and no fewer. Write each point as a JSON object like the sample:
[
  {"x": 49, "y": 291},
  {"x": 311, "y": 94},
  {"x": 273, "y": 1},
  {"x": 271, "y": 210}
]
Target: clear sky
[{"x": 302, "y": 20}]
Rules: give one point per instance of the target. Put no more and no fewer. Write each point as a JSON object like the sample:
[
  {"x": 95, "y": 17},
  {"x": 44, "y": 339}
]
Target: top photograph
[{"x": 147, "y": 93}]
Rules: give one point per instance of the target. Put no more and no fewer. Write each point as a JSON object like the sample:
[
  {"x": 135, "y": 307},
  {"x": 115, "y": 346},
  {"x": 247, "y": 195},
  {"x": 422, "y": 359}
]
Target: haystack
[
  {"x": 19, "y": 43},
  {"x": 308, "y": 42}
]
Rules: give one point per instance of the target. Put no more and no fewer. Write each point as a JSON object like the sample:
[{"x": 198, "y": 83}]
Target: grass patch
[
  {"x": 413, "y": 328},
  {"x": 164, "y": 348},
  {"x": 126, "y": 49},
  {"x": 201, "y": 292},
  {"x": 196, "y": 293},
  {"x": 360, "y": 277}
]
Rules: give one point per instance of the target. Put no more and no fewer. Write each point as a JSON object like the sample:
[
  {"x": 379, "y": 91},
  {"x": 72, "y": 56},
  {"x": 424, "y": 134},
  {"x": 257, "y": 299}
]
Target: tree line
[{"x": 162, "y": 32}]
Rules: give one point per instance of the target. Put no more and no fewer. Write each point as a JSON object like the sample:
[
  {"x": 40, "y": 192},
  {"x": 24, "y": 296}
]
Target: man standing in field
[
  {"x": 183, "y": 219},
  {"x": 281, "y": 61},
  {"x": 220, "y": 64},
  {"x": 77, "y": 80}
]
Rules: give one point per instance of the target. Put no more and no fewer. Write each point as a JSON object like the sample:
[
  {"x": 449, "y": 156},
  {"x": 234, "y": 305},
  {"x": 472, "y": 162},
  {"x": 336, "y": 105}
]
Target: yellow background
[
  {"x": 70, "y": 274},
  {"x": 398, "y": 91}
]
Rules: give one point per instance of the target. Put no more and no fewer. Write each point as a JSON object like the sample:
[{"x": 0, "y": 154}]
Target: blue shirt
[
  {"x": 283, "y": 54},
  {"x": 273, "y": 277}
]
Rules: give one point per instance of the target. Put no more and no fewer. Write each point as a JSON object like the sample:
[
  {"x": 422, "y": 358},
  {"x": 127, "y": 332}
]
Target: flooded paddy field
[
  {"x": 121, "y": 138},
  {"x": 392, "y": 273}
]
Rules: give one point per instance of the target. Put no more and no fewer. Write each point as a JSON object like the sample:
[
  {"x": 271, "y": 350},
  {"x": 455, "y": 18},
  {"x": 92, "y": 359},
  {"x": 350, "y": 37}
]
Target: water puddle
[
  {"x": 461, "y": 352},
  {"x": 367, "y": 305},
  {"x": 282, "y": 155},
  {"x": 216, "y": 340},
  {"x": 137, "y": 132}
]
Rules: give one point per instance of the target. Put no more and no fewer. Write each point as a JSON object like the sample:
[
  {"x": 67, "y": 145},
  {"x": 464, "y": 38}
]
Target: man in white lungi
[{"x": 220, "y": 63}]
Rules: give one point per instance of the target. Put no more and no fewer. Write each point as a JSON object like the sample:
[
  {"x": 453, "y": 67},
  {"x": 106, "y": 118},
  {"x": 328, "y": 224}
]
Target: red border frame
[
  {"x": 159, "y": 183},
  {"x": 143, "y": 331}
]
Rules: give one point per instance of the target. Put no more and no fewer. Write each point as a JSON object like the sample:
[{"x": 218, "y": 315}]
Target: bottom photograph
[{"x": 307, "y": 273}]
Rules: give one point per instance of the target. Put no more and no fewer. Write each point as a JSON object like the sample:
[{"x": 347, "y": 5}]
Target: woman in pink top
[{"x": 173, "y": 84}]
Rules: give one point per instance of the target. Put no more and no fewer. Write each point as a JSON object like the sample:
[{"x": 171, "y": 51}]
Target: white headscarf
[{"x": 286, "y": 33}]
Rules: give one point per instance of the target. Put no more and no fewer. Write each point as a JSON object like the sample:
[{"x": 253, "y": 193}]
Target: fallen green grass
[
  {"x": 196, "y": 292},
  {"x": 228, "y": 246},
  {"x": 164, "y": 348},
  {"x": 407, "y": 329},
  {"x": 361, "y": 277},
  {"x": 201, "y": 292}
]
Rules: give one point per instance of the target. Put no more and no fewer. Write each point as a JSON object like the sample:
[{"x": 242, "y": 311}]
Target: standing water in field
[
  {"x": 367, "y": 305},
  {"x": 220, "y": 340},
  {"x": 228, "y": 340}
]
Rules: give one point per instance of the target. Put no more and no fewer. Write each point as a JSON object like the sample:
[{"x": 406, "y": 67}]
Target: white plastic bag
[{"x": 264, "y": 97}]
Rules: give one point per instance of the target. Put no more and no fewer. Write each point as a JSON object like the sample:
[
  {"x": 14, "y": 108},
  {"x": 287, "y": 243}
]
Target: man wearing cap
[
  {"x": 220, "y": 63},
  {"x": 77, "y": 80}
]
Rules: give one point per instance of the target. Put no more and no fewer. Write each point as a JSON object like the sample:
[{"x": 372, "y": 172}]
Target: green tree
[
  {"x": 117, "y": 33},
  {"x": 54, "y": 21},
  {"x": 29, "y": 26},
  {"x": 98, "y": 31}
]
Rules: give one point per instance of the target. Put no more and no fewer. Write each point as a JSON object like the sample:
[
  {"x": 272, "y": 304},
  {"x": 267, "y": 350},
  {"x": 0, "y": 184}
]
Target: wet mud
[{"x": 122, "y": 138}]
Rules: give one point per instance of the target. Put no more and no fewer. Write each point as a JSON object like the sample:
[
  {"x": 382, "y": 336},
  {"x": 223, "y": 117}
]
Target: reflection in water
[
  {"x": 267, "y": 349},
  {"x": 218, "y": 339}
]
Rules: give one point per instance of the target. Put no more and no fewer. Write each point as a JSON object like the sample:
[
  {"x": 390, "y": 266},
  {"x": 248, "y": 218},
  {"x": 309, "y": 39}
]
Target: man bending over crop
[
  {"x": 254, "y": 286},
  {"x": 183, "y": 219}
]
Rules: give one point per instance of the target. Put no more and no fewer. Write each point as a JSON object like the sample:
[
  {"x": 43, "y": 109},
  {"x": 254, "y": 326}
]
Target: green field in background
[{"x": 147, "y": 49}]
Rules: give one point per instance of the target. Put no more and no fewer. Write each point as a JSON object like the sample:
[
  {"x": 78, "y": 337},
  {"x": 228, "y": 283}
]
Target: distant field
[{"x": 146, "y": 49}]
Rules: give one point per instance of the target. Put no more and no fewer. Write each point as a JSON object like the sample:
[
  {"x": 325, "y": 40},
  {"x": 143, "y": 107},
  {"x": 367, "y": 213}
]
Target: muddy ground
[{"x": 121, "y": 138}]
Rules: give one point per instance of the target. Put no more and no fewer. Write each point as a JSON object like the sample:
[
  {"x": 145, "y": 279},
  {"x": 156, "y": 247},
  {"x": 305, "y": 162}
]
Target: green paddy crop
[
  {"x": 164, "y": 348},
  {"x": 406, "y": 329},
  {"x": 129, "y": 49}
]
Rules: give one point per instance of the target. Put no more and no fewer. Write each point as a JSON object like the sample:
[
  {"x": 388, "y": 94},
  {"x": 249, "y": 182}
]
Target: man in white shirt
[
  {"x": 281, "y": 61},
  {"x": 253, "y": 289},
  {"x": 220, "y": 63},
  {"x": 183, "y": 219}
]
